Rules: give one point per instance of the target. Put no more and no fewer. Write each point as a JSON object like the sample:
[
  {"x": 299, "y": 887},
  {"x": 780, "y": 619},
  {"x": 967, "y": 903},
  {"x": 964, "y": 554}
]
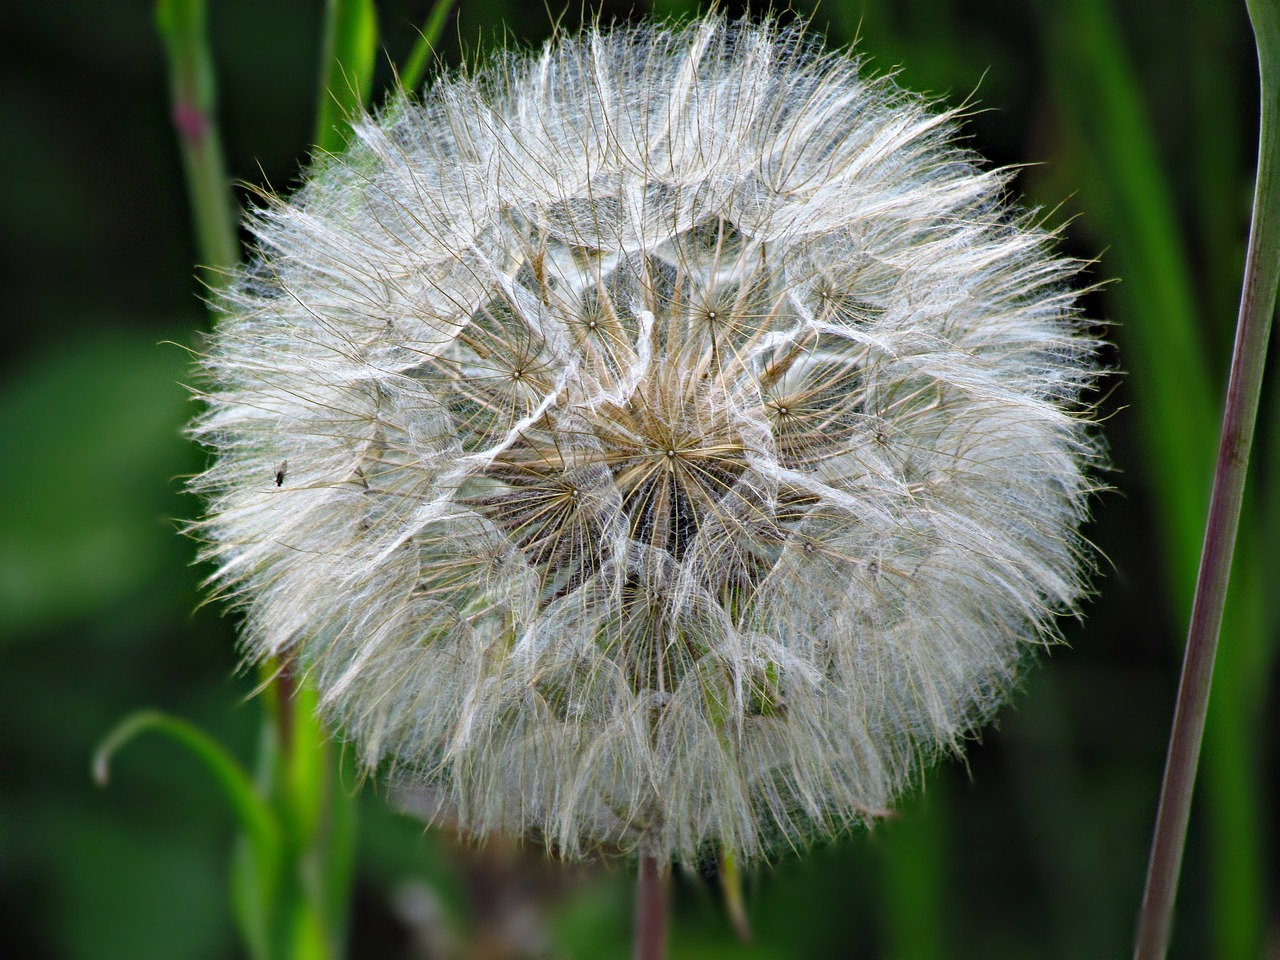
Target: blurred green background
[{"x": 1136, "y": 123}]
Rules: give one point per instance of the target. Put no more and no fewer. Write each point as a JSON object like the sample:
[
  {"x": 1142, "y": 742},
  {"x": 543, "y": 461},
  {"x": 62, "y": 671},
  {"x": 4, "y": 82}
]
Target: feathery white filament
[{"x": 682, "y": 437}]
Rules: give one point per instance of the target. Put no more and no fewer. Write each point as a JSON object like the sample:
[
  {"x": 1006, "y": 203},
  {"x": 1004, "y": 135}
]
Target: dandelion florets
[{"x": 683, "y": 440}]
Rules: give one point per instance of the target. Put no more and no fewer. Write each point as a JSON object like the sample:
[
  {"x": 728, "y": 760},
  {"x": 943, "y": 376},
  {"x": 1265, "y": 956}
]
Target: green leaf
[
  {"x": 346, "y": 71},
  {"x": 416, "y": 66},
  {"x": 309, "y": 938}
]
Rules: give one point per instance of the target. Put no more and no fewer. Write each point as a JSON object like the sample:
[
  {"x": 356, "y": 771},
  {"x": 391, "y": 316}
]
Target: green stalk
[
  {"x": 915, "y": 876},
  {"x": 193, "y": 93},
  {"x": 346, "y": 70},
  {"x": 293, "y": 866},
  {"x": 1257, "y": 303}
]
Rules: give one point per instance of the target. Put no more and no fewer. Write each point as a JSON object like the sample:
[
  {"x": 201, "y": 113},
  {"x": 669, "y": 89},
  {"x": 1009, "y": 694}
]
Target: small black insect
[{"x": 281, "y": 471}]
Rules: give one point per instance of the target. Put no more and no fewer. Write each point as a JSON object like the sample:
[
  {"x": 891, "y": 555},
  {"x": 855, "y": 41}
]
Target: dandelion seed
[{"x": 688, "y": 440}]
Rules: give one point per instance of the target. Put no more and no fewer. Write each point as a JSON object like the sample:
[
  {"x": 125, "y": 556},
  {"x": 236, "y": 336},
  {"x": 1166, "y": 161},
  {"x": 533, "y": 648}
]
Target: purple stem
[
  {"x": 1248, "y": 359},
  {"x": 651, "y": 910}
]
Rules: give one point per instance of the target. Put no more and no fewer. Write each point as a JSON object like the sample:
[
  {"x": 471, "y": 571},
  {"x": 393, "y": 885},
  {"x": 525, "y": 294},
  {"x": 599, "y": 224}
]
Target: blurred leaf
[
  {"x": 416, "y": 66},
  {"x": 89, "y": 435},
  {"x": 308, "y": 939},
  {"x": 1179, "y": 410},
  {"x": 712, "y": 946},
  {"x": 394, "y": 848},
  {"x": 123, "y": 891},
  {"x": 1270, "y": 512},
  {"x": 589, "y": 925},
  {"x": 1230, "y": 772},
  {"x": 346, "y": 70}
]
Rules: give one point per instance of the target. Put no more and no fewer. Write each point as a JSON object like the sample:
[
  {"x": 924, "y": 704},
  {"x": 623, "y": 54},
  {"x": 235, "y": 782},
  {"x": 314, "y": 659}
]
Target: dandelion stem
[
  {"x": 1257, "y": 303},
  {"x": 193, "y": 91},
  {"x": 651, "y": 910}
]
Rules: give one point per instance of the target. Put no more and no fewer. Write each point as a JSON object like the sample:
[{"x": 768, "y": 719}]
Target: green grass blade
[
  {"x": 415, "y": 67},
  {"x": 255, "y": 816},
  {"x": 1162, "y": 347},
  {"x": 193, "y": 92},
  {"x": 346, "y": 69},
  {"x": 1216, "y": 151}
]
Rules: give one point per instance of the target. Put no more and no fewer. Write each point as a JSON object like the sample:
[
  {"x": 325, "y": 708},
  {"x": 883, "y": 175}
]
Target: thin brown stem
[
  {"x": 651, "y": 909},
  {"x": 1257, "y": 303}
]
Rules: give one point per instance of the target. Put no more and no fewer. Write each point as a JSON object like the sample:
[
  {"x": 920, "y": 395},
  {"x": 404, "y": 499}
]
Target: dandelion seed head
[{"x": 684, "y": 440}]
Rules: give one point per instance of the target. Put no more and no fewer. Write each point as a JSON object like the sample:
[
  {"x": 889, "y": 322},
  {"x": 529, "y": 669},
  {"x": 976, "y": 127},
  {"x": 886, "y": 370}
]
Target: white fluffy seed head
[{"x": 683, "y": 440}]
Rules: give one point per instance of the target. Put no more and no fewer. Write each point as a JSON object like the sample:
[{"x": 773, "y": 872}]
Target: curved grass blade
[
  {"x": 251, "y": 810},
  {"x": 256, "y": 872}
]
